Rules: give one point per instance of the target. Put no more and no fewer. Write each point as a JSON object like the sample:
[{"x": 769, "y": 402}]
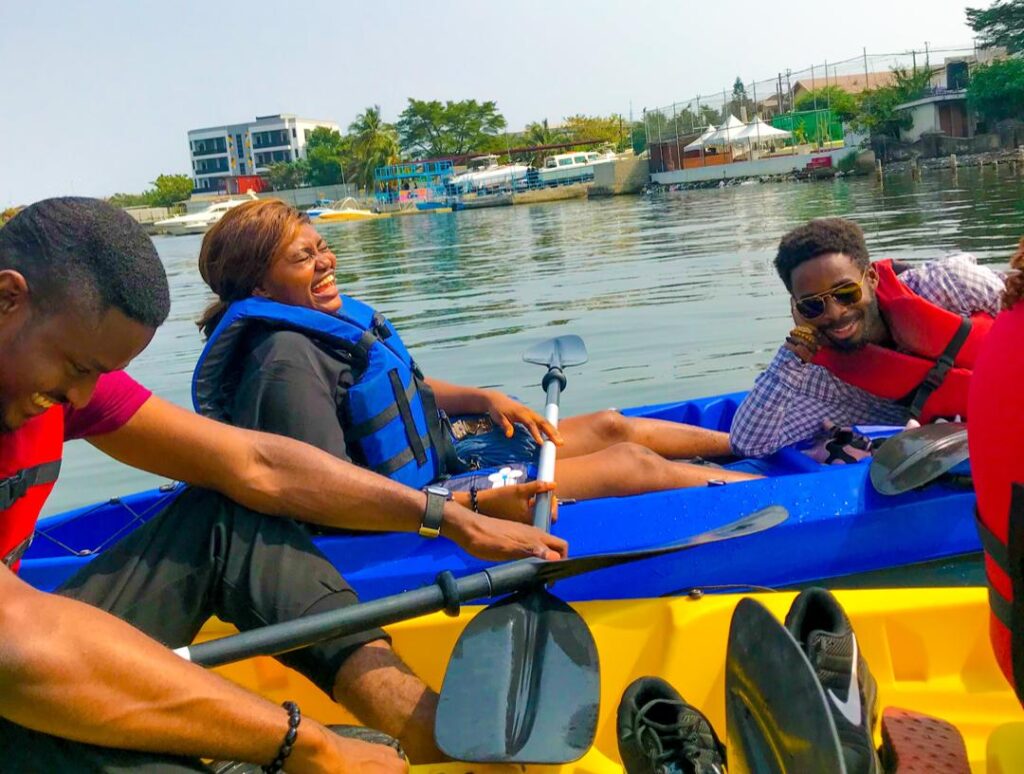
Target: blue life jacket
[{"x": 392, "y": 419}]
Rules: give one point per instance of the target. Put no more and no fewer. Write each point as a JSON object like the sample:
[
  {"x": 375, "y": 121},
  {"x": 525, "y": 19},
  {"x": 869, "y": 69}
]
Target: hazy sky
[{"x": 97, "y": 96}]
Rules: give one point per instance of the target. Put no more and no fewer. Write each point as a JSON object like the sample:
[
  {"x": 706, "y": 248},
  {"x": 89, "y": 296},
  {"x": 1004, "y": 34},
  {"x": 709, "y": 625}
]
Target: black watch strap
[{"x": 437, "y": 496}]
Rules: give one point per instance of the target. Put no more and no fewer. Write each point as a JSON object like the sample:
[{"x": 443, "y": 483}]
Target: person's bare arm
[
  {"x": 76, "y": 672},
  {"x": 279, "y": 476}
]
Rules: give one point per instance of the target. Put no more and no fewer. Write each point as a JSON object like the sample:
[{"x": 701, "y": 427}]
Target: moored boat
[
  {"x": 904, "y": 635},
  {"x": 343, "y": 211},
  {"x": 198, "y": 222},
  {"x": 839, "y": 526}
]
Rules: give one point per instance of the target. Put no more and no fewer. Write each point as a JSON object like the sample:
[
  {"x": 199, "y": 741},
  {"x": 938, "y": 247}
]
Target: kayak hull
[
  {"x": 903, "y": 634},
  {"x": 838, "y": 526}
]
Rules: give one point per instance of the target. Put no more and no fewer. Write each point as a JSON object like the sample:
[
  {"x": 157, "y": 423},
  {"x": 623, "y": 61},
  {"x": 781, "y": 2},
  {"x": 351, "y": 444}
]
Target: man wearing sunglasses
[{"x": 874, "y": 343}]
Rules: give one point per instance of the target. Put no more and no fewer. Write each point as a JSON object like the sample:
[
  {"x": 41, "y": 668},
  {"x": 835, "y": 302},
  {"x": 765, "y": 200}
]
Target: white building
[{"x": 220, "y": 152}]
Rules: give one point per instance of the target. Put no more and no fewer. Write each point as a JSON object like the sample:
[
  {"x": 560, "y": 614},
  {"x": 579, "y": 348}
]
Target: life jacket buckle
[
  {"x": 12, "y": 489},
  {"x": 380, "y": 326}
]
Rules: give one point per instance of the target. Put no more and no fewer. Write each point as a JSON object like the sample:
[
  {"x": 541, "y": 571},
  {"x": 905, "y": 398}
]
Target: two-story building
[{"x": 237, "y": 150}]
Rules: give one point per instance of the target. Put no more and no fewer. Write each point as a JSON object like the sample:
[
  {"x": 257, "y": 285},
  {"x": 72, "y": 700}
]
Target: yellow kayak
[{"x": 927, "y": 648}]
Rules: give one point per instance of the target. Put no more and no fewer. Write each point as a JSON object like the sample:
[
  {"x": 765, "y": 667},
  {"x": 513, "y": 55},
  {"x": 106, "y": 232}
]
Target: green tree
[
  {"x": 842, "y": 103},
  {"x": 607, "y": 129},
  {"x": 325, "y": 154},
  {"x": 288, "y": 174},
  {"x": 168, "y": 189},
  {"x": 996, "y": 91},
  {"x": 1001, "y": 24},
  {"x": 432, "y": 128},
  {"x": 878, "y": 114},
  {"x": 129, "y": 200},
  {"x": 374, "y": 144}
]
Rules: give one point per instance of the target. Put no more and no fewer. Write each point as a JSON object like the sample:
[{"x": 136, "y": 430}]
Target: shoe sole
[{"x": 913, "y": 743}]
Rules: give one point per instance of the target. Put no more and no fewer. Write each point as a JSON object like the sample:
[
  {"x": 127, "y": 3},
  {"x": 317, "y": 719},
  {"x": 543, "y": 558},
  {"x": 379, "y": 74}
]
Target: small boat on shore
[{"x": 839, "y": 529}]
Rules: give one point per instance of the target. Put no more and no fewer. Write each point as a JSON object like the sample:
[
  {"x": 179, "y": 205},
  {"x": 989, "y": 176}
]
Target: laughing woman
[{"x": 286, "y": 353}]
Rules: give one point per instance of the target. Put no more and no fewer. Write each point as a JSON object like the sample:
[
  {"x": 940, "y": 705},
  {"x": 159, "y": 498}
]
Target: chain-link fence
[{"x": 814, "y": 88}]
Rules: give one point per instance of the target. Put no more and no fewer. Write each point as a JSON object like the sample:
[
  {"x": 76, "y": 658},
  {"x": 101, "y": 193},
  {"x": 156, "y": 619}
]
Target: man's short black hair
[
  {"x": 86, "y": 251},
  {"x": 819, "y": 237}
]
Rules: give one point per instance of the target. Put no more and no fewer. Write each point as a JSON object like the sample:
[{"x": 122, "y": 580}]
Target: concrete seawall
[{"x": 620, "y": 176}]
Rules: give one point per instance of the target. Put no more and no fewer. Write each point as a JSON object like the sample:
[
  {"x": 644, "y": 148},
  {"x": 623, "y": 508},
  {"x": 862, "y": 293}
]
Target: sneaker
[
  {"x": 659, "y": 733},
  {"x": 819, "y": 624}
]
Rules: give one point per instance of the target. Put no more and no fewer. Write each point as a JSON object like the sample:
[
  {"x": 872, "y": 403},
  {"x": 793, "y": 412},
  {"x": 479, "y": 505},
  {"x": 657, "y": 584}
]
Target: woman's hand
[
  {"x": 506, "y": 412},
  {"x": 512, "y": 503}
]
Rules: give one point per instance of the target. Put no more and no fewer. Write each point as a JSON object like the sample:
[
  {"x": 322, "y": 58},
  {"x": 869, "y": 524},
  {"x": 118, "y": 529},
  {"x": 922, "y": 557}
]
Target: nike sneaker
[
  {"x": 819, "y": 624},
  {"x": 659, "y": 733}
]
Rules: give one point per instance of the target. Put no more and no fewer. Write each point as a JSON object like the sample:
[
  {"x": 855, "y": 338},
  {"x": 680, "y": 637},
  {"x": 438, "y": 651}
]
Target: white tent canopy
[
  {"x": 726, "y": 133},
  {"x": 759, "y": 131},
  {"x": 699, "y": 142}
]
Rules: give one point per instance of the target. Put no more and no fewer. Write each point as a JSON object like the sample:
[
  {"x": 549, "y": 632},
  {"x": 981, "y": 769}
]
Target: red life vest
[
  {"x": 930, "y": 368},
  {"x": 995, "y": 435},
  {"x": 29, "y": 463}
]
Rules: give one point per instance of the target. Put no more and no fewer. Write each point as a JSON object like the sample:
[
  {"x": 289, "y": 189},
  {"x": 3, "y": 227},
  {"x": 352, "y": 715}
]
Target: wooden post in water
[
  {"x": 878, "y": 172},
  {"x": 952, "y": 161},
  {"x": 915, "y": 169}
]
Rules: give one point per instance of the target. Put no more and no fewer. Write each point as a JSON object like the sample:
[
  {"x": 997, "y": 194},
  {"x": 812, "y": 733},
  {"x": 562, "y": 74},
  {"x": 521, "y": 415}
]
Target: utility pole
[{"x": 867, "y": 85}]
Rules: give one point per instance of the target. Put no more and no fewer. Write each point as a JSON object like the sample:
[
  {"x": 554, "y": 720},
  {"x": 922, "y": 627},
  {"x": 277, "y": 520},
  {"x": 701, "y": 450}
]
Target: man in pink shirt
[{"x": 81, "y": 293}]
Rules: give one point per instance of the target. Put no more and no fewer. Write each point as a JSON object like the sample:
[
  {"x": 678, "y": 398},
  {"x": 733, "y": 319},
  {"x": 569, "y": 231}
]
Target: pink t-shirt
[{"x": 115, "y": 401}]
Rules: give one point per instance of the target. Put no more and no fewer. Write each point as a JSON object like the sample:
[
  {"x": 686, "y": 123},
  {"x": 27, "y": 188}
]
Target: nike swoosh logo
[{"x": 850, "y": 709}]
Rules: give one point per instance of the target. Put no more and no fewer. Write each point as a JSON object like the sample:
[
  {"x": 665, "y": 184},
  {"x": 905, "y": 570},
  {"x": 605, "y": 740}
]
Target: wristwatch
[{"x": 437, "y": 496}]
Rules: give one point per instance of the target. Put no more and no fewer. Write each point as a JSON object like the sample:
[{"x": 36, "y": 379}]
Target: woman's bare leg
[
  {"x": 673, "y": 440},
  {"x": 628, "y": 469}
]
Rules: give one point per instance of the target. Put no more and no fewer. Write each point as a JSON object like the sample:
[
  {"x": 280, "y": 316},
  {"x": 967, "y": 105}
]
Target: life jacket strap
[
  {"x": 934, "y": 378},
  {"x": 13, "y": 488},
  {"x": 1009, "y": 558}
]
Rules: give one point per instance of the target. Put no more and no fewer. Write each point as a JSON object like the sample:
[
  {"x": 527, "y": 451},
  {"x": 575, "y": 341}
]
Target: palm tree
[
  {"x": 539, "y": 133},
  {"x": 375, "y": 144}
]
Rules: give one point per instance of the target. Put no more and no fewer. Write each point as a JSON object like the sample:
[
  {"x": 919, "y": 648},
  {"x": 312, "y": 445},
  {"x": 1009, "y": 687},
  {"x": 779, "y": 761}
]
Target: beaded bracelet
[
  {"x": 473, "y": 502},
  {"x": 294, "y": 718}
]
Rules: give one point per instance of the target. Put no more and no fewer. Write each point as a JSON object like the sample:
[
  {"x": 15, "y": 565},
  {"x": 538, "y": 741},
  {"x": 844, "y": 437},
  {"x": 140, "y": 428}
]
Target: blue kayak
[{"x": 838, "y": 526}]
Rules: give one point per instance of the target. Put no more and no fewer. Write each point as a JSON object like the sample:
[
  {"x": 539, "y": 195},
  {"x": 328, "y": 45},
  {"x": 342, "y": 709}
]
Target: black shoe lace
[{"x": 680, "y": 742}]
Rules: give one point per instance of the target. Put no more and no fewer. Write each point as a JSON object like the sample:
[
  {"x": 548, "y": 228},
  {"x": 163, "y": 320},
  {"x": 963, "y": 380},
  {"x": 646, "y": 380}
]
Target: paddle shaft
[
  {"x": 553, "y": 383},
  {"x": 497, "y": 580}
]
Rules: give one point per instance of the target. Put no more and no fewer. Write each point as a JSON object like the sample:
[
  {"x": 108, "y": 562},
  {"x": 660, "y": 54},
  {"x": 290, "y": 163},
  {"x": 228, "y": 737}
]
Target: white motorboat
[
  {"x": 485, "y": 175},
  {"x": 566, "y": 167},
  {"x": 199, "y": 222}
]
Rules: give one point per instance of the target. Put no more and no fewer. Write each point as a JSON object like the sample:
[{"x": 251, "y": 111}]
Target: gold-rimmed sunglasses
[{"x": 847, "y": 294}]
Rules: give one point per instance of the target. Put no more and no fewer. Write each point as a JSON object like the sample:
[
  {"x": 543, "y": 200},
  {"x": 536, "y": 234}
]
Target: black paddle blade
[
  {"x": 777, "y": 719},
  {"x": 522, "y": 685},
  {"x": 559, "y": 352},
  {"x": 918, "y": 456}
]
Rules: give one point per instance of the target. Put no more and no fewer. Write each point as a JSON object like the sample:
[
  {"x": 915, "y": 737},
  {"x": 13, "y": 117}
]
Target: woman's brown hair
[
  {"x": 1015, "y": 282},
  {"x": 239, "y": 250}
]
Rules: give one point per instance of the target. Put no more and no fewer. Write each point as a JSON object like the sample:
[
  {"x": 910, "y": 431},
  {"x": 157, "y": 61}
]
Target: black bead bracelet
[
  {"x": 294, "y": 718},
  {"x": 474, "y": 503}
]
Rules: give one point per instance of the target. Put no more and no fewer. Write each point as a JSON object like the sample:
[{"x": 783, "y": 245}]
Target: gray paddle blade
[
  {"x": 918, "y": 456},
  {"x": 522, "y": 685},
  {"x": 560, "y": 352},
  {"x": 777, "y": 719}
]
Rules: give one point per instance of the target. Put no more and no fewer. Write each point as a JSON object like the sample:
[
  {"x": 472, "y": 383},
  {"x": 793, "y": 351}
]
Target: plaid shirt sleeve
[
  {"x": 791, "y": 399},
  {"x": 958, "y": 284}
]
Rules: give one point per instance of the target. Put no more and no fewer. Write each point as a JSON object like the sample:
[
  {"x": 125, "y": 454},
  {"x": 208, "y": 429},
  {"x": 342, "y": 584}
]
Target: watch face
[{"x": 439, "y": 490}]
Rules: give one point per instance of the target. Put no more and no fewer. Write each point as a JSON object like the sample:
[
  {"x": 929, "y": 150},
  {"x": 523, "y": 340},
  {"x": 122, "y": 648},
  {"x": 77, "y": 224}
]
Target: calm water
[{"x": 674, "y": 296}]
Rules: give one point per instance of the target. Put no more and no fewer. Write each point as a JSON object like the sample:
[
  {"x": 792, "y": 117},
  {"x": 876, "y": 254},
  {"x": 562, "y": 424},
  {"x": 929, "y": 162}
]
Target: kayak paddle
[
  {"x": 776, "y": 716},
  {"x": 523, "y": 683},
  {"x": 447, "y": 594},
  {"x": 918, "y": 456}
]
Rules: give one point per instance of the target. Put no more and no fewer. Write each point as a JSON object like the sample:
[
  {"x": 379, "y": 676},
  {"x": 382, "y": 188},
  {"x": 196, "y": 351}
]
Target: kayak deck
[{"x": 905, "y": 635}]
